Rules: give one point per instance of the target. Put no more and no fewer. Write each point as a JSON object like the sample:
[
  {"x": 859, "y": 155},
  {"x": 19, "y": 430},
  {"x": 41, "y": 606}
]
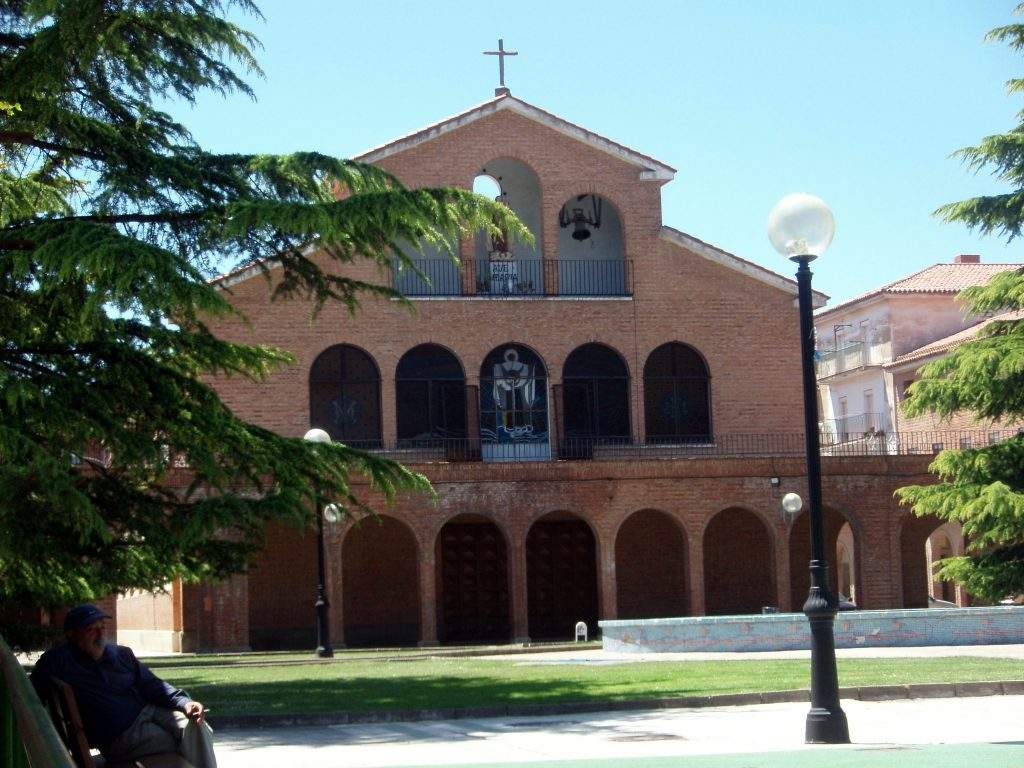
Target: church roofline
[
  {"x": 651, "y": 169},
  {"x": 732, "y": 261}
]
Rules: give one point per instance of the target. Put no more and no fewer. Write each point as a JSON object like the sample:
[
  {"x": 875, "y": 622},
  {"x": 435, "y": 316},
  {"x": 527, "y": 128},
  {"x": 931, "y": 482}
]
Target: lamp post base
[
  {"x": 826, "y": 727},
  {"x": 826, "y": 721},
  {"x": 325, "y": 652}
]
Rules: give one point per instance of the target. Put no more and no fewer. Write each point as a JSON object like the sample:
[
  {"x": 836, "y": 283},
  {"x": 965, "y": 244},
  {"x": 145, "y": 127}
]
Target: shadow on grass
[{"x": 368, "y": 693}]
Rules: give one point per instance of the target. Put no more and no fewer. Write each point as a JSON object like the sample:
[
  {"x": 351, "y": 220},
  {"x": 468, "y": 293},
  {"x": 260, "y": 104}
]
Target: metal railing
[
  {"x": 848, "y": 427},
  {"x": 511, "y": 277},
  {"x": 869, "y": 443},
  {"x": 557, "y": 277},
  {"x": 27, "y": 735},
  {"x": 855, "y": 355},
  {"x": 517, "y": 277},
  {"x": 441, "y": 277}
]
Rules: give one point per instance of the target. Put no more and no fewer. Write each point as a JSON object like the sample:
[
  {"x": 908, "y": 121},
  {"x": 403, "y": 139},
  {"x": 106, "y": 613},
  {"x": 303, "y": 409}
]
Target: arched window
[
  {"x": 677, "y": 395},
  {"x": 595, "y": 393},
  {"x": 513, "y": 404},
  {"x": 591, "y": 256},
  {"x": 502, "y": 266},
  {"x": 430, "y": 391},
  {"x": 344, "y": 396}
]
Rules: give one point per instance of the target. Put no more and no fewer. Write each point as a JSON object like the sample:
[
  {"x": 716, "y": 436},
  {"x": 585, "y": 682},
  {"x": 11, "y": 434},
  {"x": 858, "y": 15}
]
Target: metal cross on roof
[{"x": 501, "y": 53}]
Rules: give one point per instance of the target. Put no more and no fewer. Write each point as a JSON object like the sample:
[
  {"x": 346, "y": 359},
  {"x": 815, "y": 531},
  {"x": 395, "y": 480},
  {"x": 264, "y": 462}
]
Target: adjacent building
[{"x": 871, "y": 347}]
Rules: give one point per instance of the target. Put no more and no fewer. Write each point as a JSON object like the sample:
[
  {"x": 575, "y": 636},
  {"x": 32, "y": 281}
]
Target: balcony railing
[
  {"x": 441, "y": 277},
  {"x": 852, "y": 356},
  {"x": 718, "y": 446},
  {"x": 517, "y": 277},
  {"x": 841, "y": 430}
]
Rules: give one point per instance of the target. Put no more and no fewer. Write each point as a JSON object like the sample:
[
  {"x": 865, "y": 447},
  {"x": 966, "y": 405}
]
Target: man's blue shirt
[{"x": 110, "y": 692}]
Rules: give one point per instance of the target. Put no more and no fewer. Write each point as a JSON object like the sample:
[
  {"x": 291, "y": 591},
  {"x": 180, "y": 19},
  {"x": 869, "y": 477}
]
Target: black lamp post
[
  {"x": 800, "y": 227},
  {"x": 323, "y": 635}
]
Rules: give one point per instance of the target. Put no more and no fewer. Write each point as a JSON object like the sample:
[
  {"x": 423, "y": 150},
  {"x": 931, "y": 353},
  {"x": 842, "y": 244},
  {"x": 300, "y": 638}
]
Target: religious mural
[{"x": 513, "y": 400}]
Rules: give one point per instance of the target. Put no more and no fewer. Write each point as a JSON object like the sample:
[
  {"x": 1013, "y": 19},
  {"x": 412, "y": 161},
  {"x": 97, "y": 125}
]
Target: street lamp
[
  {"x": 800, "y": 227},
  {"x": 323, "y": 639}
]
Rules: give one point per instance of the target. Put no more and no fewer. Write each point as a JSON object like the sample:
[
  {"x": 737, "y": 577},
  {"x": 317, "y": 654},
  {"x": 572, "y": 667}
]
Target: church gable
[{"x": 648, "y": 167}]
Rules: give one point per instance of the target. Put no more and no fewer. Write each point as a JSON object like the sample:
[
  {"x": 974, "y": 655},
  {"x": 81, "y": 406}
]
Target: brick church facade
[{"x": 610, "y": 418}]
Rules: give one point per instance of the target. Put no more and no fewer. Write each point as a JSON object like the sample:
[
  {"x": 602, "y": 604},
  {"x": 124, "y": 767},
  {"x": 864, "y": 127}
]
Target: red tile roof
[
  {"x": 938, "y": 278},
  {"x": 934, "y": 348}
]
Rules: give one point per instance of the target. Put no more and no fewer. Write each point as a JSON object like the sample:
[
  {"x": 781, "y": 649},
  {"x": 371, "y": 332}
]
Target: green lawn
[{"x": 394, "y": 683}]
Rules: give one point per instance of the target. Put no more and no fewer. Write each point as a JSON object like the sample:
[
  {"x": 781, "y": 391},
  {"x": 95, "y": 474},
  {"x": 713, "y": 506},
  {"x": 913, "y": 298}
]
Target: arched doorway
[
  {"x": 285, "y": 568},
  {"x": 430, "y": 396},
  {"x": 591, "y": 254},
  {"x": 677, "y": 395},
  {"x": 920, "y": 547},
  {"x": 846, "y": 563},
  {"x": 939, "y": 548},
  {"x": 834, "y": 523},
  {"x": 380, "y": 584},
  {"x": 513, "y": 405},
  {"x": 472, "y": 582},
  {"x": 739, "y": 564},
  {"x": 650, "y": 567},
  {"x": 561, "y": 577},
  {"x": 344, "y": 396}
]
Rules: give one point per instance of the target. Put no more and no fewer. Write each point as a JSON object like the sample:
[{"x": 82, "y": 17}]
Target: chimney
[{"x": 967, "y": 258}]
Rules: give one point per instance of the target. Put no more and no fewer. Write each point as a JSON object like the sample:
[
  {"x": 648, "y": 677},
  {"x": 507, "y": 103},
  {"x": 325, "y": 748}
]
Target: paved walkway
[{"x": 979, "y": 732}]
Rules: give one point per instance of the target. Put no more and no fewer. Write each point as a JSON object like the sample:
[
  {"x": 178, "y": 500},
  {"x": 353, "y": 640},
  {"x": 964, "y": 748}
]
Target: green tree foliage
[
  {"x": 112, "y": 221},
  {"x": 983, "y": 488}
]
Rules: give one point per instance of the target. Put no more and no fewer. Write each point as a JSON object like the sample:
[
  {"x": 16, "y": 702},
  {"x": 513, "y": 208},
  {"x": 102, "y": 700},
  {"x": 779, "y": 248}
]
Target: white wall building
[{"x": 870, "y": 347}]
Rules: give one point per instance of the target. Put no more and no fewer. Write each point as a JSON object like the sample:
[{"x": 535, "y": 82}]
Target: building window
[
  {"x": 677, "y": 395},
  {"x": 595, "y": 394},
  {"x": 513, "y": 405},
  {"x": 344, "y": 396},
  {"x": 869, "y": 410},
  {"x": 430, "y": 395}
]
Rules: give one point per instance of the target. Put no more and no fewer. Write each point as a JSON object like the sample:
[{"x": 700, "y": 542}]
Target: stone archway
[
  {"x": 473, "y": 603},
  {"x": 800, "y": 554},
  {"x": 561, "y": 576},
  {"x": 739, "y": 564},
  {"x": 650, "y": 567},
  {"x": 380, "y": 584}
]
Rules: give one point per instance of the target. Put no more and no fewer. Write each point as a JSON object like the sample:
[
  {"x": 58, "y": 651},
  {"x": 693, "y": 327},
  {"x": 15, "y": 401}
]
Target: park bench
[{"x": 68, "y": 721}]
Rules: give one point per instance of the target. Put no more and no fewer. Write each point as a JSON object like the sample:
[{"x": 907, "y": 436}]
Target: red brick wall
[{"x": 737, "y": 323}]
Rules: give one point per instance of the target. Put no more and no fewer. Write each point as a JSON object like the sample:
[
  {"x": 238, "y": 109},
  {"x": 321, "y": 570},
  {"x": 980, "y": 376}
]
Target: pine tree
[
  {"x": 983, "y": 488},
  {"x": 112, "y": 221}
]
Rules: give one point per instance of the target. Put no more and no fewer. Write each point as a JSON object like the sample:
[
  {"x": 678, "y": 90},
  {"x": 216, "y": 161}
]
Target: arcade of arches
[{"x": 476, "y": 578}]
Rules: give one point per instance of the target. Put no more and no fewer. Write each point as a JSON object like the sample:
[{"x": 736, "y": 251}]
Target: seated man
[{"x": 127, "y": 711}]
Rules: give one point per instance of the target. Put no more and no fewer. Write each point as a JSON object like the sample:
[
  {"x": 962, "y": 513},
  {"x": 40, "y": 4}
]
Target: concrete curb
[{"x": 865, "y": 693}]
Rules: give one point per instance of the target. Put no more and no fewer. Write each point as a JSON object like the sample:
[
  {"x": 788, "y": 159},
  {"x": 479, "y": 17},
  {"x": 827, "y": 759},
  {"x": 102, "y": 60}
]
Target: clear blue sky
[{"x": 859, "y": 103}]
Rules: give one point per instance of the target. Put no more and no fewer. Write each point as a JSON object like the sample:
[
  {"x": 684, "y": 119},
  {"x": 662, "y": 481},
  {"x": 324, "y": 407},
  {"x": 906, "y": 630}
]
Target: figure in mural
[
  {"x": 345, "y": 412},
  {"x": 515, "y": 394}
]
